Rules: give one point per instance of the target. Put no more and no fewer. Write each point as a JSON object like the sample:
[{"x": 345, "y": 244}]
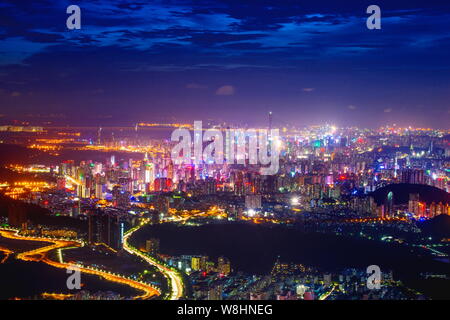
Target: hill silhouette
[
  {"x": 437, "y": 227},
  {"x": 39, "y": 215},
  {"x": 401, "y": 192}
]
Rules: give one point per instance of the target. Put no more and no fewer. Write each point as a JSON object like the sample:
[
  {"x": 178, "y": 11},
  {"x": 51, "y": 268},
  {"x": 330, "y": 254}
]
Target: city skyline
[{"x": 125, "y": 210}]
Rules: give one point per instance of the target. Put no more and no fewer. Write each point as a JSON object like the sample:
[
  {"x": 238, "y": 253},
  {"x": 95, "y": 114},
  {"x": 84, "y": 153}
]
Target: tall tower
[
  {"x": 136, "y": 133},
  {"x": 269, "y": 134},
  {"x": 270, "y": 121},
  {"x": 395, "y": 166},
  {"x": 99, "y": 135}
]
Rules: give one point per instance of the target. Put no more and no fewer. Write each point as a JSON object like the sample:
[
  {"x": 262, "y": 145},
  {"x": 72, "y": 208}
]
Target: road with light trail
[
  {"x": 175, "y": 280},
  {"x": 41, "y": 255},
  {"x": 176, "y": 283}
]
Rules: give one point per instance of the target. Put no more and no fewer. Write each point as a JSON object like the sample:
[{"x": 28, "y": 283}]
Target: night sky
[{"x": 309, "y": 62}]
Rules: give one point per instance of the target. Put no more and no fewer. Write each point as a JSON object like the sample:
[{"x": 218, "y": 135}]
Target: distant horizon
[
  {"x": 105, "y": 121},
  {"x": 229, "y": 60}
]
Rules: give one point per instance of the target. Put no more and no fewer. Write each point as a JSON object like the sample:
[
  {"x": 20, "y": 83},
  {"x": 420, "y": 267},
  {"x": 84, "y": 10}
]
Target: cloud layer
[{"x": 184, "y": 54}]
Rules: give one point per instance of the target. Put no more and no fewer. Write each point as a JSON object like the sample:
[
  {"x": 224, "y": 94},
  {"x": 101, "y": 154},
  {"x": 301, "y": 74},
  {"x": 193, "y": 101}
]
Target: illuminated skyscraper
[
  {"x": 270, "y": 121},
  {"x": 223, "y": 266},
  {"x": 195, "y": 263}
]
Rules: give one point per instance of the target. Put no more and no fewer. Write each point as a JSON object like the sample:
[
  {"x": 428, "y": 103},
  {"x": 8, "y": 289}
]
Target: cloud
[
  {"x": 352, "y": 107},
  {"x": 308, "y": 89},
  {"x": 15, "y": 94},
  {"x": 387, "y": 110},
  {"x": 196, "y": 86},
  {"x": 226, "y": 90}
]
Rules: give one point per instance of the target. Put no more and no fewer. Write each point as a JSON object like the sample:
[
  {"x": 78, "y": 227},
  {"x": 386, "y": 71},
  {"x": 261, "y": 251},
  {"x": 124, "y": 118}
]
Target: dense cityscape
[
  {"x": 228, "y": 156},
  {"x": 388, "y": 185}
]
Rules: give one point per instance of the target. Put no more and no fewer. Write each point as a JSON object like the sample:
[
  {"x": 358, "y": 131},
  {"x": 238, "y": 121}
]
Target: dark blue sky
[{"x": 307, "y": 61}]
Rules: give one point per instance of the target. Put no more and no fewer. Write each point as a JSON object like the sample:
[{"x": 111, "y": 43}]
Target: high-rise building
[
  {"x": 215, "y": 292},
  {"x": 198, "y": 263},
  {"x": 152, "y": 246},
  {"x": 327, "y": 279},
  {"x": 223, "y": 266},
  {"x": 120, "y": 197},
  {"x": 105, "y": 228},
  {"x": 414, "y": 176},
  {"x": 162, "y": 204},
  {"x": 253, "y": 201},
  {"x": 301, "y": 289},
  {"x": 195, "y": 263},
  {"x": 309, "y": 295},
  {"x": 389, "y": 204}
]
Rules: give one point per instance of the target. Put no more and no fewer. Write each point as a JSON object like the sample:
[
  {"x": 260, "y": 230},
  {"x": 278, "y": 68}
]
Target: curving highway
[
  {"x": 7, "y": 253},
  {"x": 175, "y": 280},
  {"x": 41, "y": 254}
]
